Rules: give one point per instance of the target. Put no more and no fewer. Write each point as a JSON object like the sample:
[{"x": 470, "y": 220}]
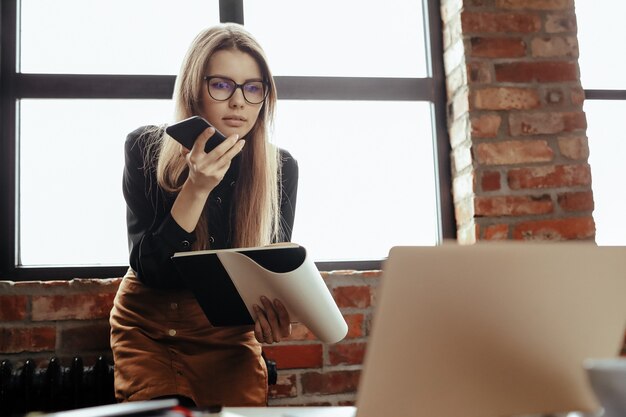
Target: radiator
[{"x": 55, "y": 387}]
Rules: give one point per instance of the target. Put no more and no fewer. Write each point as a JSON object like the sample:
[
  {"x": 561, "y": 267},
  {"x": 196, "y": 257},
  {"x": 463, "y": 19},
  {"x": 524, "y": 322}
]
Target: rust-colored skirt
[{"x": 164, "y": 345}]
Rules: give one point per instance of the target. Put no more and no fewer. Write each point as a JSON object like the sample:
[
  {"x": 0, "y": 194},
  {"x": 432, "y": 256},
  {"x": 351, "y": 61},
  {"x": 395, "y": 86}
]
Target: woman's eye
[
  {"x": 221, "y": 85},
  {"x": 253, "y": 88}
]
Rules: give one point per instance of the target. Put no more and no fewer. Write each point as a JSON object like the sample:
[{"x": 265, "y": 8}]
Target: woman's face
[{"x": 235, "y": 114}]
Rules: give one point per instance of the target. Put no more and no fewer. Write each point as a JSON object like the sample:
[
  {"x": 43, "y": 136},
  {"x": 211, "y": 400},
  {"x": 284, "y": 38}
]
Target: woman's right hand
[{"x": 206, "y": 170}]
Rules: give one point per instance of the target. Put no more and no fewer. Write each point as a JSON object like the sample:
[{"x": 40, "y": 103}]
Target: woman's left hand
[{"x": 272, "y": 321}]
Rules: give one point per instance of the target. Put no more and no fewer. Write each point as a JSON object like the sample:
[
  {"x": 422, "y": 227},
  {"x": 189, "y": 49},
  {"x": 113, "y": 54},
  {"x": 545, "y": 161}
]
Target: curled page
[{"x": 301, "y": 289}]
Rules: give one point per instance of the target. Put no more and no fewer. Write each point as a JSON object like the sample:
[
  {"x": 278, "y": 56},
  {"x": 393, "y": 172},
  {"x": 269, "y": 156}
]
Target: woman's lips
[{"x": 234, "y": 121}]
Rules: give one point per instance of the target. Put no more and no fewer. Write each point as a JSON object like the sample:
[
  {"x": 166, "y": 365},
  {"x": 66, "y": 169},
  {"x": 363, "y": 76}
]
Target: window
[
  {"x": 601, "y": 68},
  {"x": 362, "y": 111}
]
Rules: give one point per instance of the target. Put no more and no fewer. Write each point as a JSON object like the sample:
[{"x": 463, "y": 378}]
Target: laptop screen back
[{"x": 492, "y": 329}]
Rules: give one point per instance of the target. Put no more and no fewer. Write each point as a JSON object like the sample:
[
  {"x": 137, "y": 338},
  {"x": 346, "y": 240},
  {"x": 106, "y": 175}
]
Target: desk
[{"x": 288, "y": 411}]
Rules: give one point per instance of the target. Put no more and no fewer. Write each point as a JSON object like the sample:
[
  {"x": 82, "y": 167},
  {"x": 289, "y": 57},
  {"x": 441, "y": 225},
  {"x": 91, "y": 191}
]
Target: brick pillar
[{"x": 517, "y": 128}]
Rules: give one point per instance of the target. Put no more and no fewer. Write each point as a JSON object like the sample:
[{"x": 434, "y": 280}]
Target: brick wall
[
  {"x": 69, "y": 318},
  {"x": 517, "y": 128}
]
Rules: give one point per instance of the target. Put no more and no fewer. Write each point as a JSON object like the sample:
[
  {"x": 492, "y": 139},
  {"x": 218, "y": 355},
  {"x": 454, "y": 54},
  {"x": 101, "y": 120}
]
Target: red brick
[
  {"x": 486, "y": 126},
  {"x": 513, "y": 152},
  {"x": 497, "y": 47},
  {"x": 560, "y": 22},
  {"x": 554, "y": 96},
  {"x": 73, "y": 306},
  {"x": 485, "y": 22},
  {"x": 285, "y": 387},
  {"x": 479, "y": 72},
  {"x": 338, "y": 382},
  {"x": 13, "y": 307},
  {"x": 576, "y": 201},
  {"x": 490, "y": 181},
  {"x": 346, "y": 353},
  {"x": 352, "y": 296},
  {"x": 522, "y": 123},
  {"x": 355, "y": 325},
  {"x": 536, "y": 4},
  {"x": 496, "y": 232},
  {"x": 527, "y": 72},
  {"x": 27, "y": 339},
  {"x": 90, "y": 336},
  {"x": 554, "y": 47},
  {"x": 551, "y": 176},
  {"x": 575, "y": 148},
  {"x": 295, "y": 356},
  {"x": 577, "y": 95},
  {"x": 513, "y": 205},
  {"x": 300, "y": 332},
  {"x": 573, "y": 228},
  {"x": 45, "y": 286},
  {"x": 505, "y": 98}
]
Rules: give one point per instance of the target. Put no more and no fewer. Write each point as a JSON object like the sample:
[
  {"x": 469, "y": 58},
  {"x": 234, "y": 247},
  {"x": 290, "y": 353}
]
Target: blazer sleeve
[
  {"x": 153, "y": 235},
  {"x": 289, "y": 194}
]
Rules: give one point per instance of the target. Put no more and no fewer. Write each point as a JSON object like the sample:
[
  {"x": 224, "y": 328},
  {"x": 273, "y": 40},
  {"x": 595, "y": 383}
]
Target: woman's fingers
[
  {"x": 206, "y": 170},
  {"x": 262, "y": 328},
  {"x": 272, "y": 318},
  {"x": 283, "y": 318},
  {"x": 272, "y": 321}
]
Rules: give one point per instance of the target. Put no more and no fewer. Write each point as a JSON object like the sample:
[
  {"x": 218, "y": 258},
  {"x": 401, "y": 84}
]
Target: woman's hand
[
  {"x": 206, "y": 170},
  {"x": 272, "y": 321}
]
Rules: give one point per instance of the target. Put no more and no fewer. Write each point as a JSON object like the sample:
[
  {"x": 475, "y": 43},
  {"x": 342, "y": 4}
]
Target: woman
[{"x": 240, "y": 194}]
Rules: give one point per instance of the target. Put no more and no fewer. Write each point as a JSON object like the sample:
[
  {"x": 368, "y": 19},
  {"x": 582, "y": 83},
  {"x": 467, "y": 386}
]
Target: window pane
[
  {"x": 607, "y": 145},
  {"x": 366, "y": 176},
  {"x": 601, "y": 61},
  {"x": 71, "y": 208},
  {"x": 109, "y": 37},
  {"x": 340, "y": 38}
]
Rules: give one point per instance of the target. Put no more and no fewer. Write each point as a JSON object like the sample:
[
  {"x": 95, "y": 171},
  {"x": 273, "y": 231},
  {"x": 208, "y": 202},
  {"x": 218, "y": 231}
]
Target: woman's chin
[{"x": 229, "y": 131}]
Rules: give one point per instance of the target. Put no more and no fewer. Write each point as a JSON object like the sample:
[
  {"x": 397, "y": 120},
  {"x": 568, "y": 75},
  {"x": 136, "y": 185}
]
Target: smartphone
[{"x": 186, "y": 131}]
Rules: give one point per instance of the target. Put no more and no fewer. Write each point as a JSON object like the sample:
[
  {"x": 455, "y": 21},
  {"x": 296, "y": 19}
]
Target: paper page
[{"x": 302, "y": 291}]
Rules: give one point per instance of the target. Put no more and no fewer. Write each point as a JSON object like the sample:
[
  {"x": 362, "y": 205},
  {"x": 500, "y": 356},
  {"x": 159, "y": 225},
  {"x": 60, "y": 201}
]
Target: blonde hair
[{"x": 256, "y": 195}]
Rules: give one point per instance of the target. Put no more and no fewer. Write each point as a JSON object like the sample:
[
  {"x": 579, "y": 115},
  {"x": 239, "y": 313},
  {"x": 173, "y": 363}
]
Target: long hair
[{"x": 256, "y": 195}]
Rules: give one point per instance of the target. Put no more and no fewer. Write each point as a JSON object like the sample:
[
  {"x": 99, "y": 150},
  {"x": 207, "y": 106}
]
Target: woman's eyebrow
[{"x": 230, "y": 78}]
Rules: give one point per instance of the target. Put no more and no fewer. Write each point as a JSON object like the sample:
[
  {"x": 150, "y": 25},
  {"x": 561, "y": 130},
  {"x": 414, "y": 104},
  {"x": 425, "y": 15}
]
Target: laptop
[{"x": 492, "y": 329}]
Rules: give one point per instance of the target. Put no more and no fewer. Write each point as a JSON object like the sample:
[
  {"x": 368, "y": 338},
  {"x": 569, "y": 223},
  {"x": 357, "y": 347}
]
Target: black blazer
[{"x": 154, "y": 236}]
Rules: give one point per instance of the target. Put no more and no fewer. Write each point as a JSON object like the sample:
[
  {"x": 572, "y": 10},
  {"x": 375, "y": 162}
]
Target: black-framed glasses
[{"x": 221, "y": 89}]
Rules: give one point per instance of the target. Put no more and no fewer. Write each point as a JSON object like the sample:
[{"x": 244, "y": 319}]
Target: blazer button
[
  {"x": 211, "y": 239},
  {"x": 218, "y": 200},
  {"x": 232, "y": 183},
  {"x": 185, "y": 243}
]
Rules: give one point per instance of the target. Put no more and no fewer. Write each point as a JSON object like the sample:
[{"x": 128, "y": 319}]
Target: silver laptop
[{"x": 492, "y": 329}]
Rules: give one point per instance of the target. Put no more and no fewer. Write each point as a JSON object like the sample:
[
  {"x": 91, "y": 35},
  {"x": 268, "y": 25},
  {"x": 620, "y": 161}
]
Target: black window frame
[{"x": 15, "y": 86}]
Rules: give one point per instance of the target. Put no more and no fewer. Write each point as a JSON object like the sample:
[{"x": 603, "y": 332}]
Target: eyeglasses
[{"x": 221, "y": 89}]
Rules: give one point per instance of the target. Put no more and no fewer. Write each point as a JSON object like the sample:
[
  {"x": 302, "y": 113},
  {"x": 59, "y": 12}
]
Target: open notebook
[{"x": 492, "y": 329}]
